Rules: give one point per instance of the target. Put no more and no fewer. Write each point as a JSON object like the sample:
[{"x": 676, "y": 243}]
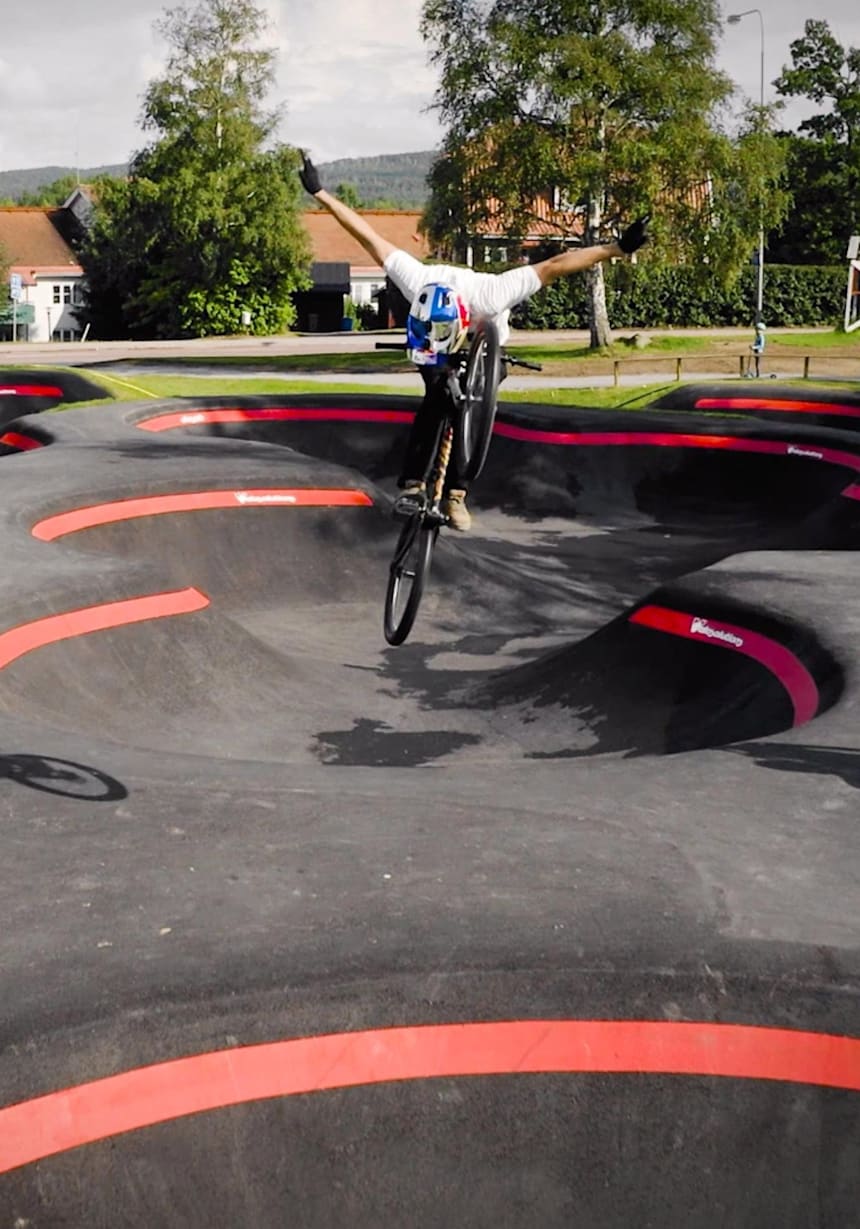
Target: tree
[
  {"x": 46, "y": 195},
  {"x": 612, "y": 105},
  {"x": 207, "y": 225},
  {"x": 52, "y": 194},
  {"x": 819, "y": 221},
  {"x": 825, "y": 158},
  {"x": 348, "y": 193}
]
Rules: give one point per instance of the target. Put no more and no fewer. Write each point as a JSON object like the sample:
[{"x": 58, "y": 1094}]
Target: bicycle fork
[{"x": 444, "y": 456}]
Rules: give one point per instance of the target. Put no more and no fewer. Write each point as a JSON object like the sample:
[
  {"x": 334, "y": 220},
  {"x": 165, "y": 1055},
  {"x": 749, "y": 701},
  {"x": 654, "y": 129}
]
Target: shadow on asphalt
[
  {"x": 63, "y": 777},
  {"x": 842, "y": 762}
]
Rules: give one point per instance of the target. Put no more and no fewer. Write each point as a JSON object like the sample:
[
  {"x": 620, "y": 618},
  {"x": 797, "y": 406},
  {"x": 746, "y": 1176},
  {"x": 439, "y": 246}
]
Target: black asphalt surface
[{"x": 256, "y": 822}]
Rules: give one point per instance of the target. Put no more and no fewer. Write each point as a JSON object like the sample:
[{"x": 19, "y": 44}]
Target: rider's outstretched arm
[
  {"x": 352, "y": 222},
  {"x": 584, "y": 258},
  {"x": 575, "y": 261}
]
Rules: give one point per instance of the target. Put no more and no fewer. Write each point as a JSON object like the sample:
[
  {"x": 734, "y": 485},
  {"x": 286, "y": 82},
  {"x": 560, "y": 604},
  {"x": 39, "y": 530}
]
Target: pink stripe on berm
[
  {"x": 783, "y": 664},
  {"x": 30, "y": 390},
  {"x": 777, "y": 405},
  {"x": 24, "y": 443},
  {"x": 671, "y": 439},
  {"x": 199, "y": 418},
  {"x": 28, "y": 636},
  {"x": 195, "y": 501},
  {"x": 58, "y": 1121}
]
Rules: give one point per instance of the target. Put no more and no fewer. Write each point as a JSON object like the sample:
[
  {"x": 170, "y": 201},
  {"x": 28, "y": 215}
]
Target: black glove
[
  {"x": 637, "y": 234},
  {"x": 309, "y": 175}
]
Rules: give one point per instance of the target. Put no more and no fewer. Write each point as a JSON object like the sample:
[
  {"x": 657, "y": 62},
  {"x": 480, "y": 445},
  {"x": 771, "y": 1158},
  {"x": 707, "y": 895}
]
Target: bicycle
[{"x": 473, "y": 383}]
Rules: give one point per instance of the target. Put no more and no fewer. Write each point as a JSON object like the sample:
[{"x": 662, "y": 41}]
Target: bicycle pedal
[{"x": 409, "y": 505}]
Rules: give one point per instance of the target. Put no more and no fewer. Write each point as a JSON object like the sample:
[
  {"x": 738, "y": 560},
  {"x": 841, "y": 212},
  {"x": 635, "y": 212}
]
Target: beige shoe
[{"x": 454, "y": 507}]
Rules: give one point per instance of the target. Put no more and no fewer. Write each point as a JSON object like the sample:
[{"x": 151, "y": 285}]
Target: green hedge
[{"x": 646, "y": 296}]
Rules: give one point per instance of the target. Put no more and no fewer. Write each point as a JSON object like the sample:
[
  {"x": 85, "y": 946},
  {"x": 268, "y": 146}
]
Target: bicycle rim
[
  {"x": 478, "y": 411},
  {"x": 406, "y": 577}
]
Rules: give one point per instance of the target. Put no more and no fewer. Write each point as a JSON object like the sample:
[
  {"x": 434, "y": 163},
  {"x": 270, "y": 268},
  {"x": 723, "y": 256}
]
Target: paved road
[
  {"x": 84, "y": 353},
  {"x": 408, "y": 380},
  {"x": 128, "y": 358}
]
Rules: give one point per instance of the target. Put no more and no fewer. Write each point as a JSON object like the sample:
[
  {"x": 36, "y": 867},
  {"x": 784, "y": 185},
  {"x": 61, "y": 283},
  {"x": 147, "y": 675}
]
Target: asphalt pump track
[{"x": 547, "y": 917}]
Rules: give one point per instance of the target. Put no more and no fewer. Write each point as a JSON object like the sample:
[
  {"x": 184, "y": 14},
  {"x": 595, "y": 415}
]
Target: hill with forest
[
  {"x": 396, "y": 181},
  {"x": 28, "y": 182}
]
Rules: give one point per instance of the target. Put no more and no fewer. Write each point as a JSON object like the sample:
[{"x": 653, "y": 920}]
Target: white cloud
[{"x": 352, "y": 74}]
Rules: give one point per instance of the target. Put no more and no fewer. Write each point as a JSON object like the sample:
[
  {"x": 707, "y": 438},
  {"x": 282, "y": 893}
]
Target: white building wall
[
  {"x": 55, "y": 297},
  {"x": 362, "y": 285}
]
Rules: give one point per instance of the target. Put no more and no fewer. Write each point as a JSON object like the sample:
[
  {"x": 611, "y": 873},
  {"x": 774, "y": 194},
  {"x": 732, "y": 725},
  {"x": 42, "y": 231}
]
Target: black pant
[{"x": 424, "y": 434}]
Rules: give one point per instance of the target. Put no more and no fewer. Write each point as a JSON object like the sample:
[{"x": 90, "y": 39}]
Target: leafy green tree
[
  {"x": 52, "y": 194},
  {"x": 827, "y": 73},
  {"x": 45, "y": 196},
  {"x": 348, "y": 193},
  {"x": 613, "y": 106},
  {"x": 816, "y": 227},
  {"x": 207, "y": 225},
  {"x": 825, "y": 158}
]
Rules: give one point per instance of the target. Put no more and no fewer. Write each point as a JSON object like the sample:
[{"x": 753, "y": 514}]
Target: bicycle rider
[{"x": 480, "y": 294}]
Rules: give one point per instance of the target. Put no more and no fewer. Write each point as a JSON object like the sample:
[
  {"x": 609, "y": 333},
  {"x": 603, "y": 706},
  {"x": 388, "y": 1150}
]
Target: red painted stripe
[
  {"x": 28, "y": 636},
  {"x": 197, "y": 418},
  {"x": 667, "y": 439},
  {"x": 193, "y": 501},
  {"x": 30, "y": 390},
  {"x": 24, "y": 443},
  {"x": 679, "y": 440},
  {"x": 791, "y": 407},
  {"x": 44, "y": 1126},
  {"x": 787, "y": 668}
]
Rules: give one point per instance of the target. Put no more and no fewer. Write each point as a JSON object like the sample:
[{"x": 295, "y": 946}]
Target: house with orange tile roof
[
  {"x": 330, "y": 243},
  {"x": 34, "y": 243},
  {"x": 35, "y": 240}
]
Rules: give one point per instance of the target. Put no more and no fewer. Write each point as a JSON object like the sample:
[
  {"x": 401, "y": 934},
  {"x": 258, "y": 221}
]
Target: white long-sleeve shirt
[{"x": 487, "y": 294}]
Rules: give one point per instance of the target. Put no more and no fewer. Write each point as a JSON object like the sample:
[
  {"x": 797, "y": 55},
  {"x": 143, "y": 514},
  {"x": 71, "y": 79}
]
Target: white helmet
[{"x": 437, "y": 324}]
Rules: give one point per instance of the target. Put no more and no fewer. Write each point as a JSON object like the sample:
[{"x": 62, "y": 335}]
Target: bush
[
  {"x": 655, "y": 296},
  {"x": 367, "y": 315}
]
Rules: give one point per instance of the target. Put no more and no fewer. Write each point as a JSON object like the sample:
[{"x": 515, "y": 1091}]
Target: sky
[{"x": 352, "y": 75}]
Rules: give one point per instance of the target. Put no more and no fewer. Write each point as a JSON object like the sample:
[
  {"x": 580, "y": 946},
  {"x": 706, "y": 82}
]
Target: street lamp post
[{"x": 733, "y": 20}]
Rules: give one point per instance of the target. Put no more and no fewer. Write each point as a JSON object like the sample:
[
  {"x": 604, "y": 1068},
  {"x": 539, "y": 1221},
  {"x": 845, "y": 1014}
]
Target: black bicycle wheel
[
  {"x": 406, "y": 577},
  {"x": 478, "y": 406}
]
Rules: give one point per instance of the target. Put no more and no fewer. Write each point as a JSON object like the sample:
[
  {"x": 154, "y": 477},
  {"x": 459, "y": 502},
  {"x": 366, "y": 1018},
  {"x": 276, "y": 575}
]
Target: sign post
[
  {"x": 852, "y": 297},
  {"x": 15, "y": 291}
]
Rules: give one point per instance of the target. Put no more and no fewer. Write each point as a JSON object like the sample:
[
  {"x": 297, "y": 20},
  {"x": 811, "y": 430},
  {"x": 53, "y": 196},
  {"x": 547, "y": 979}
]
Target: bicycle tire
[
  {"x": 478, "y": 405},
  {"x": 406, "y": 577}
]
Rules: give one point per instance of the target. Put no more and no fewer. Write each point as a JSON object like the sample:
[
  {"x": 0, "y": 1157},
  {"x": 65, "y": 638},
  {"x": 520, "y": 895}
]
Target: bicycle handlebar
[{"x": 506, "y": 358}]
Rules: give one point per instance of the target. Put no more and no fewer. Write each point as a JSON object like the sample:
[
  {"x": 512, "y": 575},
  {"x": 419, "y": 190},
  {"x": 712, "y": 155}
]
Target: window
[
  {"x": 503, "y": 254},
  {"x": 488, "y": 254},
  {"x": 56, "y": 290},
  {"x": 67, "y": 293}
]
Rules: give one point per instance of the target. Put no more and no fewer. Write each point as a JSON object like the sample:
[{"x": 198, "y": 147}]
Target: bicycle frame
[{"x": 472, "y": 387}]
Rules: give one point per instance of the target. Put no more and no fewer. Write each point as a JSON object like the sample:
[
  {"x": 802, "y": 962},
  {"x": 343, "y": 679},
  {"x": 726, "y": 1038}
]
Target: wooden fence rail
[{"x": 744, "y": 362}]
